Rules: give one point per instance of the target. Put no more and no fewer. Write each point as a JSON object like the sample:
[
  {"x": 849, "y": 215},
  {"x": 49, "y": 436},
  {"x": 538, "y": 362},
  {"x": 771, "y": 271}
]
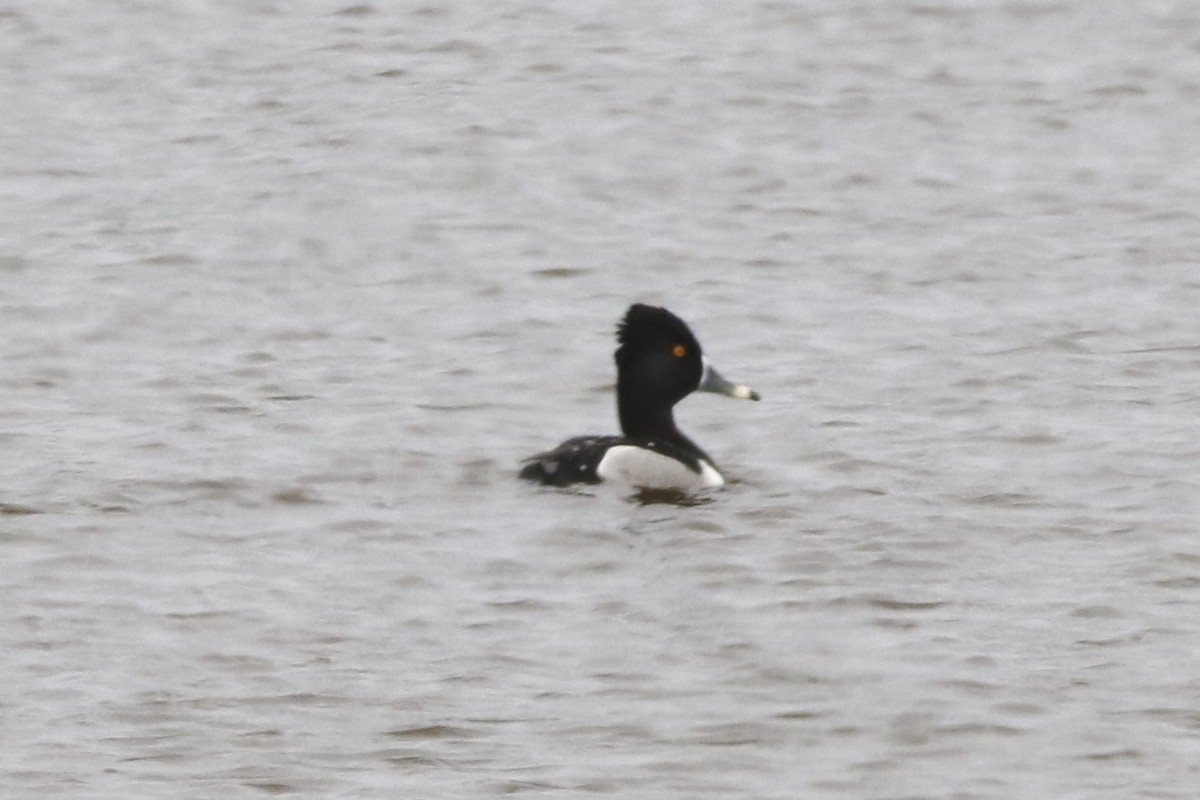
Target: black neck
[
  {"x": 638, "y": 422},
  {"x": 659, "y": 429}
]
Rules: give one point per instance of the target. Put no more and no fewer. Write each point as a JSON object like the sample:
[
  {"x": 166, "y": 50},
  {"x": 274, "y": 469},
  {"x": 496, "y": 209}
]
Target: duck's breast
[{"x": 646, "y": 468}]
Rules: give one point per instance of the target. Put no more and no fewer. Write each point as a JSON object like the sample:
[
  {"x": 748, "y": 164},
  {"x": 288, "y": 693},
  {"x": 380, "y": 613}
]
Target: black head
[{"x": 658, "y": 364}]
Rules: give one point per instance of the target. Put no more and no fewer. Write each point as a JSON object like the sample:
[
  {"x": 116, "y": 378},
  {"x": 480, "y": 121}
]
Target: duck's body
[
  {"x": 646, "y": 464},
  {"x": 659, "y": 362}
]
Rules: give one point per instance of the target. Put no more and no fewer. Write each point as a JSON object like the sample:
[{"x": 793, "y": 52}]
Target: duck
[{"x": 659, "y": 362}]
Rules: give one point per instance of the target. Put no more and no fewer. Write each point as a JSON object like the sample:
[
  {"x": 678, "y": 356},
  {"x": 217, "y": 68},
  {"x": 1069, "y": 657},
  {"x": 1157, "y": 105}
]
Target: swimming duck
[{"x": 659, "y": 362}]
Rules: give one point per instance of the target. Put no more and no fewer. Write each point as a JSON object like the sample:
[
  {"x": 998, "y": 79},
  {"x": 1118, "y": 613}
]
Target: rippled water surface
[{"x": 287, "y": 290}]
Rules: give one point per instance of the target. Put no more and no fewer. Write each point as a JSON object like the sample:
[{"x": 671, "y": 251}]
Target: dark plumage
[{"x": 659, "y": 362}]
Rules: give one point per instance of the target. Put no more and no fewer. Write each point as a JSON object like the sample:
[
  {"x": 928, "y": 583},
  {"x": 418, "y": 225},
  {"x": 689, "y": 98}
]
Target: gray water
[{"x": 287, "y": 290}]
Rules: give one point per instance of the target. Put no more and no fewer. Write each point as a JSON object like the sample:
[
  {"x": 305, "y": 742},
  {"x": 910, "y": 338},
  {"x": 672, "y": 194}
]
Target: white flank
[{"x": 647, "y": 469}]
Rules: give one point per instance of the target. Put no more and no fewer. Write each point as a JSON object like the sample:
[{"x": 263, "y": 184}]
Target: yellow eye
[{"x": 680, "y": 351}]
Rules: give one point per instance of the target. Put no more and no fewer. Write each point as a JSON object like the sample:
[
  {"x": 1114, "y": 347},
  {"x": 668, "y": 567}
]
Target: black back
[{"x": 573, "y": 461}]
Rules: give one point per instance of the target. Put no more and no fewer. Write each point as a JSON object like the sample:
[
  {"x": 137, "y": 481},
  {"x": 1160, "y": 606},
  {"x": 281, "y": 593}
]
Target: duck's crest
[{"x": 644, "y": 324}]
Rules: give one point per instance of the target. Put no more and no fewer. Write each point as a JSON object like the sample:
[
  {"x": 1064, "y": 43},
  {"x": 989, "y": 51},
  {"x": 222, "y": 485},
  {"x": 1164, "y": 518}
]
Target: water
[{"x": 288, "y": 290}]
